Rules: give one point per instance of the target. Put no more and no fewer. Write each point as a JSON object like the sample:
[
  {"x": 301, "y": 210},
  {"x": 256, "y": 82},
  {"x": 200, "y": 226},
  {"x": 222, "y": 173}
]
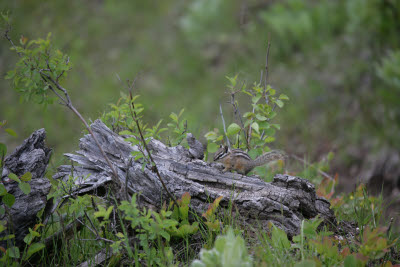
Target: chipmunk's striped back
[{"x": 241, "y": 162}]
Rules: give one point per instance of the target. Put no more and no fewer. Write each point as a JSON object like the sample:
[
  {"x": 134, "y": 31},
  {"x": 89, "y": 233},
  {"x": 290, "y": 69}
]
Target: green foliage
[
  {"x": 177, "y": 128},
  {"x": 38, "y": 64},
  {"x": 374, "y": 243},
  {"x": 317, "y": 40},
  {"x": 122, "y": 120},
  {"x": 155, "y": 230},
  {"x": 359, "y": 206},
  {"x": 254, "y": 131},
  {"x": 229, "y": 250},
  {"x": 212, "y": 221}
]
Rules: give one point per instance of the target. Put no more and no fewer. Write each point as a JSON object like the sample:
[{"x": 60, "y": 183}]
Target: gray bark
[
  {"x": 285, "y": 202},
  {"x": 32, "y": 156}
]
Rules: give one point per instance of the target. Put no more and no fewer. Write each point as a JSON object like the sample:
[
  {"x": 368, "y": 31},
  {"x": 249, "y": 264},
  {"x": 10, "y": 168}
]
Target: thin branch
[
  {"x": 62, "y": 73},
  {"x": 154, "y": 166},
  {"x": 223, "y": 123},
  {"x": 310, "y": 165},
  {"x": 238, "y": 116},
  {"x": 266, "y": 67},
  {"x": 265, "y": 74},
  {"x": 67, "y": 101}
]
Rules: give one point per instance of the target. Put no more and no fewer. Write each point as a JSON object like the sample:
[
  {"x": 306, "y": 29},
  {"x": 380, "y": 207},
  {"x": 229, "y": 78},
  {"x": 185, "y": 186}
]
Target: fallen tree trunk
[
  {"x": 32, "y": 156},
  {"x": 285, "y": 202}
]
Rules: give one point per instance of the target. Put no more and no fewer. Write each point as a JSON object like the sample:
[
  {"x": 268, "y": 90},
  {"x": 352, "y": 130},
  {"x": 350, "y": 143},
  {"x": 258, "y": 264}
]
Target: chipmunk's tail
[{"x": 270, "y": 156}]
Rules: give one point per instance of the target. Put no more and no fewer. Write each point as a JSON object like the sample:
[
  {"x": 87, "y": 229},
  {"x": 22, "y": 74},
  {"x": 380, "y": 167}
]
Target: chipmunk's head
[{"x": 221, "y": 153}]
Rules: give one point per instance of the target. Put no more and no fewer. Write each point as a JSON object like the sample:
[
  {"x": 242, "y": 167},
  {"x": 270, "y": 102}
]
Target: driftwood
[
  {"x": 285, "y": 202},
  {"x": 32, "y": 156}
]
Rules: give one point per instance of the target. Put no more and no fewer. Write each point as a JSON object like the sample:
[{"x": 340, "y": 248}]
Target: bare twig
[
  {"x": 98, "y": 259},
  {"x": 98, "y": 237},
  {"x": 223, "y": 123},
  {"x": 265, "y": 74},
  {"x": 238, "y": 116},
  {"x": 308, "y": 164},
  {"x": 154, "y": 166},
  {"x": 266, "y": 67}
]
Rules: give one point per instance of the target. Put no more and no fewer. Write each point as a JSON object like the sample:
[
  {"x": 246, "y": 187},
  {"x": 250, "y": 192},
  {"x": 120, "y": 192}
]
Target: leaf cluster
[
  {"x": 253, "y": 131},
  {"x": 38, "y": 64}
]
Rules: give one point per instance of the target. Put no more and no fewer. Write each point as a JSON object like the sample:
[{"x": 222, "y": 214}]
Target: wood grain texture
[{"x": 285, "y": 202}]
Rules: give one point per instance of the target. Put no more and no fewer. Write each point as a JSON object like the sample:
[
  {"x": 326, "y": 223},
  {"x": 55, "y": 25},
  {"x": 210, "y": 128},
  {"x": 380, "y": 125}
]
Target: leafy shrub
[{"x": 229, "y": 250}]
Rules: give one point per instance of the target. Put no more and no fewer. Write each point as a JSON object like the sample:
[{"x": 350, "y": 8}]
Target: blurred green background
[{"x": 338, "y": 61}]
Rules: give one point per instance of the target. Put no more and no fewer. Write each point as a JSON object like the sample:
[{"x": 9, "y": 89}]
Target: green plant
[
  {"x": 39, "y": 72},
  {"x": 155, "y": 230},
  {"x": 177, "y": 128},
  {"x": 229, "y": 250},
  {"x": 253, "y": 131}
]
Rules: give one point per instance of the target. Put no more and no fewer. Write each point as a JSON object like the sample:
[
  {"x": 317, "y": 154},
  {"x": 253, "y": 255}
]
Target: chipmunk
[{"x": 241, "y": 162}]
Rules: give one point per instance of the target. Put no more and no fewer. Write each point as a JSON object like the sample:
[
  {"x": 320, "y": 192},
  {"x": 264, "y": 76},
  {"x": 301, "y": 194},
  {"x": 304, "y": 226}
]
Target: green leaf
[
  {"x": 279, "y": 103},
  {"x": 181, "y": 112},
  {"x": 7, "y": 237},
  {"x": 232, "y": 80},
  {"x": 10, "y": 75},
  {"x": 261, "y": 117},
  {"x": 306, "y": 263},
  {"x": 187, "y": 229},
  {"x": 14, "y": 177},
  {"x": 5, "y": 16},
  {"x": 255, "y": 126},
  {"x": 232, "y": 129},
  {"x": 269, "y": 139},
  {"x": 35, "y": 247},
  {"x": 3, "y": 190},
  {"x": 2, "y": 211},
  {"x": 350, "y": 261},
  {"x": 120, "y": 235},
  {"x": 270, "y": 131},
  {"x": 11, "y": 132},
  {"x": 279, "y": 238},
  {"x": 270, "y": 90},
  {"x": 26, "y": 177},
  {"x": 255, "y": 99},
  {"x": 103, "y": 212},
  {"x": 9, "y": 199},
  {"x": 212, "y": 147},
  {"x": 3, "y": 150},
  {"x": 174, "y": 117},
  {"x": 13, "y": 252},
  {"x": 125, "y": 132},
  {"x": 248, "y": 115},
  {"x": 283, "y": 97},
  {"x": 165, "y": 235},
  {"x": 277, "y": 126},
  {"x": 25, "y": 187},
  {"x": 211, "y": 135}
]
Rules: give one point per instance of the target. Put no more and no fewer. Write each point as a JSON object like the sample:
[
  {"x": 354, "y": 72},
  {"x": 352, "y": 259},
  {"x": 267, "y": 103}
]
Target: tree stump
[{"x": 32, "y": 156}]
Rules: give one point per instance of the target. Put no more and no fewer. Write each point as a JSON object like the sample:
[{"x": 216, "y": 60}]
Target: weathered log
[
  {"x": 32, "y": 156},
  {"x": 285, "y": 202}
]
